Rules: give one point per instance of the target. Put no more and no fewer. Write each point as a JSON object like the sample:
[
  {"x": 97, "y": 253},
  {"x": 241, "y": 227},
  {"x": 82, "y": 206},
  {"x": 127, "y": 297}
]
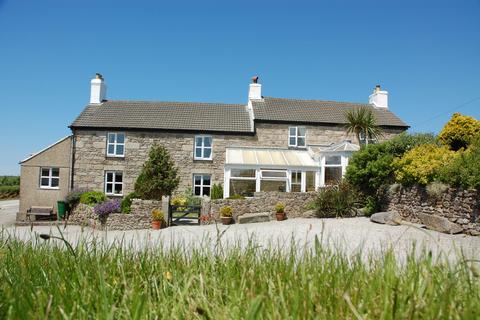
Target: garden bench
[{"x": 39, "y": 211}]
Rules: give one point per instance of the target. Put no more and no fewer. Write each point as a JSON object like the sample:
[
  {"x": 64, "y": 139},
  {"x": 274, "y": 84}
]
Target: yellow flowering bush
[
  {"x": 459, "y": 131},
  {"x": 422, "y": 164}
]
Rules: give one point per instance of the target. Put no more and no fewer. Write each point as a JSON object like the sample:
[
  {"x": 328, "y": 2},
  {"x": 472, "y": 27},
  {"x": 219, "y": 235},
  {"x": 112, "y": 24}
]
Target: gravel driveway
[{"x": 351, "y": 235}]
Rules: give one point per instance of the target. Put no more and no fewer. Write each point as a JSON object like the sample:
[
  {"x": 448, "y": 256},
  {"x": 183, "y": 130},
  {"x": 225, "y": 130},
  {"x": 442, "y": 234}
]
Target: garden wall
[
  {"x": 457, "y": 205},
  {"x": 139, "y": 218},
  {"x": 295, "y": 203}
]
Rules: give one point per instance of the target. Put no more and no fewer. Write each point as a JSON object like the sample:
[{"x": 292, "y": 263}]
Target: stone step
[{"x": 253, "y": 217}]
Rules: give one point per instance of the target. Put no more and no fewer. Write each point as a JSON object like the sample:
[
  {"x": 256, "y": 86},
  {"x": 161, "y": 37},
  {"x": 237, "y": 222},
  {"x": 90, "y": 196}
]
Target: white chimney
[
  {"x": 379, "y": 98},
  {"x": 255, "y": 91},
  {"x": 98, "y": 89}
]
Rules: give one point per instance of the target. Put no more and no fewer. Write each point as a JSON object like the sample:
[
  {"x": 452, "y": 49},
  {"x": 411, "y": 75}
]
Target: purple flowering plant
[{"x": 105, "y": 208}]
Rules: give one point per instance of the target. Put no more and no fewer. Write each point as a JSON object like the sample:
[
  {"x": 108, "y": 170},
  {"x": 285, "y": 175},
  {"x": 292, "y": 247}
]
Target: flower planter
[
  {"x": 156, "y": 225},
  {"x": 227, "y": 220},
  {"x": 280, "y": 216}
]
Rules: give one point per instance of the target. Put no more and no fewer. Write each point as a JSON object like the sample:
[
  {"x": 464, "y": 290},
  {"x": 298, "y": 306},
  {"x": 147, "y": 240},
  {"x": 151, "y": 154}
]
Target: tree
[
  {"x": 158, "y": 176},
  {"x": 362, "y": 121},
  {"x": 459, "y": 131}
]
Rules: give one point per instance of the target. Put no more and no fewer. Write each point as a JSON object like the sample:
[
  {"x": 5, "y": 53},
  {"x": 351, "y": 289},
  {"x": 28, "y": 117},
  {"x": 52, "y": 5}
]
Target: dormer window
[
  {"x": 115, "y": 144},
  {"x": 297, "y": 137},
  {"x": 203, "y": 148}
]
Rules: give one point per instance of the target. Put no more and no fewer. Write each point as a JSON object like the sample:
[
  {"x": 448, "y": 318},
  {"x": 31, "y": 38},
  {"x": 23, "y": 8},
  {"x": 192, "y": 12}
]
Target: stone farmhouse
[{"x": 265, "y": 144}]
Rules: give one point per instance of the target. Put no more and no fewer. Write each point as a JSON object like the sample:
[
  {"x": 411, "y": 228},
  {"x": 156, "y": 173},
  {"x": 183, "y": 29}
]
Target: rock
[
  {"x": 439, "y": 224},
  {"x": 474, "y": 232},
  {"x": 390, "y": 217},
  {"x": 254, "y": 217},
  {"x": 309, "y": 214}
]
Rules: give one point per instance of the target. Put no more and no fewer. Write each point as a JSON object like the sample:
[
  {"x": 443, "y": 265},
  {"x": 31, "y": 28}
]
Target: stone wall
[
  {"x": 139, "y": 218},
  {"x": 457, "y": 205},
  {"x": 295, "y": 203}
]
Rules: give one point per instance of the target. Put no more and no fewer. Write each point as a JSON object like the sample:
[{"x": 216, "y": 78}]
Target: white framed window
[
  {"x": 114, "y": 183},
  {"x": 203, "y": 148},
  {"x": 273, "y": 180},
  {"x": 49, "y": 178},
  {"x": 297, "y": 137},
  {"x": 333, "y": 169},
  {"x": 296, "y": 181},
  {"x": 116, "y": 144},
  {"x": 202, "y": 184},
  {"x": 364, "y": 141}
]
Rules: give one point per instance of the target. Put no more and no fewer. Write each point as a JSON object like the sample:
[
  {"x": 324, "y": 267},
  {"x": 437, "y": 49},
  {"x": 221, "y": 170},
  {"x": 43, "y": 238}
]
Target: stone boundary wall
[
  {"x": 457, "y": 205},
  {"x": 139, "y": 218},
  {"x": 295, "y": 203}
]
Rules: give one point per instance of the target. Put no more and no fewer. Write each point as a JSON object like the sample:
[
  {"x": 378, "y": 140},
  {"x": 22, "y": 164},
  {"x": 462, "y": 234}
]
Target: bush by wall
[
  {"x": 91, "y": 198},
  {"x": 337, "y": 201},
  {"x": 459, "y": 131},
  {"x": 126, "y": 205}
]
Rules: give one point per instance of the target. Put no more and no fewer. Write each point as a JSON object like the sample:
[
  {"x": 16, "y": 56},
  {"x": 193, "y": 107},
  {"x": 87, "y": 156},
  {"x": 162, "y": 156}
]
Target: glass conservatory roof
[{"x": 269, "y": 157}]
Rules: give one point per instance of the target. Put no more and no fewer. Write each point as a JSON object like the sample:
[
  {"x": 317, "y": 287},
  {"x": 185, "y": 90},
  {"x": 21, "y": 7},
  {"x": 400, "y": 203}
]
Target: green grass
[{"x": 40, "y": 281}]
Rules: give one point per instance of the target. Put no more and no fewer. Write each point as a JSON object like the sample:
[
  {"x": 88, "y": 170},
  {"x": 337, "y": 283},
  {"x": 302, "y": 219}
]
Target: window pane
[
  {"x": 207, "y": 152},
  {"x": 245, "y": 188},
  {"x": 206, "y": 180},
  {"x": 44, "y": 182},
  {"x": 198, "y": 141},
  {"x": 111, "y": 149},
  {"x": 197, "y": 191},
  {"x": 206, "y": 191},
  {"x": 296, "y": 177},
  {"x": 111, "y": 137},
  {"x": 333, "y": 160},
  {"x": 274, "y": 174},
  {"x": 120, "y": 149},
  {"x": 292, "y": 141},
  {"x": 293, "y": 131},
  {"x": 45, "y": 172},
  {"x": 247, "y": 173},
  {"x": 310, "y": 183},
  {"x": 268, "y": 185},
  {"x": 197, "y": 180},
  {"x": 109, "y": 187},
  {"x": 118, "y": 188},
  {"x": 302, "y": 131},
  {"x": 207, "y": 141},
  {"x": 109, "y": 176},
  {"x": 296, "y": 187},
  {"x": 120, "y": 138},
  {"x": 198, "y": 153},
  {"x": 333, "y": 175},
  {"x": 55, "y": 182},
  {"x": 55, "y": 172},
  {"x": 301, "y": 142},
  {"x": 118, "y": 177}
]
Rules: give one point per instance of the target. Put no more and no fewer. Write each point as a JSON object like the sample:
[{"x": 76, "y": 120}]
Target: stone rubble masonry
[
  {"x": 91, "y": 161},
  {"x": 294, "y": 202},
  {"x": 139, "y": 218},
  {"x": 457, "y": 205}
]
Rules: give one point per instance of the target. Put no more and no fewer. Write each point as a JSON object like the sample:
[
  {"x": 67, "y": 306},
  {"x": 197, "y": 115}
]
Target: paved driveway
[
  {"x": 351, "y": 236},
  {"x": 8, "y": 212}
]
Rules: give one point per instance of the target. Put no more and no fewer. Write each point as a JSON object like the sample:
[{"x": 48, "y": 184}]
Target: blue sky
[{"x": 425, "y": 53}]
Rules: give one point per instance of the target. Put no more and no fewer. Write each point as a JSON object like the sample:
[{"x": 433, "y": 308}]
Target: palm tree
[{"x": 362, "y": 121}]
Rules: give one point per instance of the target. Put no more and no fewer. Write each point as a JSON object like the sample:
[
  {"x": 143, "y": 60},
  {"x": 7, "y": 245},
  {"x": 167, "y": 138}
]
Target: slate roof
[
  {"x": 190, "y": 116},
  {"x": 316, "y": 111}
]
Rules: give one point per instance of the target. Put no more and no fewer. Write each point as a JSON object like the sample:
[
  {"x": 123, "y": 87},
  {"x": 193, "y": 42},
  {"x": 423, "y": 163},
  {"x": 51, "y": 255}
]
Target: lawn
[{"x": 42, "y": 280}]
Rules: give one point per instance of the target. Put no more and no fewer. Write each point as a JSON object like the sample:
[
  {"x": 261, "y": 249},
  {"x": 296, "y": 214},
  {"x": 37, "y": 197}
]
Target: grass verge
[{"x": 44, "y": 280}]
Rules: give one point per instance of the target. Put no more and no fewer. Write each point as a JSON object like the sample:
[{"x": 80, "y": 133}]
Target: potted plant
[
  {"x": 158, "y": 219},
  {"x": 280, "y": 211},
  {"x": 226, "y": 213}
]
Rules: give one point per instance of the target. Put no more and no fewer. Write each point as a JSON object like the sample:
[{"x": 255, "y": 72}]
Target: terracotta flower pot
[
  {"x": 227, "y": 220},
  {"x": 280, "y": 216},
  {"x": 156, "y": 225}
]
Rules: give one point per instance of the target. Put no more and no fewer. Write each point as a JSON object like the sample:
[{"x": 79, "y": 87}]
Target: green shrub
[
  {"x": 158, "y": 176},
  {"x": 158, "y": 215},
  {"x": 226, "y": 211},
  {"x": 371, "y": 205},
  {"x": 73, "y": 197},
  {"x": 217, "y": 192},
  {"x": 236, "y": 197},
  {"x": 91, "y": 198},
  {"x": 9, "y": 180},
  {"x": 464, "y": 171},
  {"x": 126, "y": 204},
  {"x": 422, "y": 164},
  {"x": 280, "y": 207},
  {"x": 337, "y": 201},
  {"x": 459, "y": 131},
  {"x": 191, "y": 199}
]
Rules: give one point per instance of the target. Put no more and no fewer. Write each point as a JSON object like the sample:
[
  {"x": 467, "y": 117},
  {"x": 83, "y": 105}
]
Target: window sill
[
  {"x": 203, "y": 160},
  {"x": 49, "y": 188},
  {"x": 115, "y": 156},
  {"x": 114, "y": 195}
]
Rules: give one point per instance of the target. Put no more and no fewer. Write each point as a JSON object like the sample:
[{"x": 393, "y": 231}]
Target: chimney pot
[
  {"x": 98, "y": 89},
  {"x": 255, "y": 90}
]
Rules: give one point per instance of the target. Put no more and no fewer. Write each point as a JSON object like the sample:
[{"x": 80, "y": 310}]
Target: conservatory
[{"x": 249, "y": 169}]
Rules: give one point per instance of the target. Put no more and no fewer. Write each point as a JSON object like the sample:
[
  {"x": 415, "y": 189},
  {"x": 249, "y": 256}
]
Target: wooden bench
[{"x": 39, "y": 212}]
